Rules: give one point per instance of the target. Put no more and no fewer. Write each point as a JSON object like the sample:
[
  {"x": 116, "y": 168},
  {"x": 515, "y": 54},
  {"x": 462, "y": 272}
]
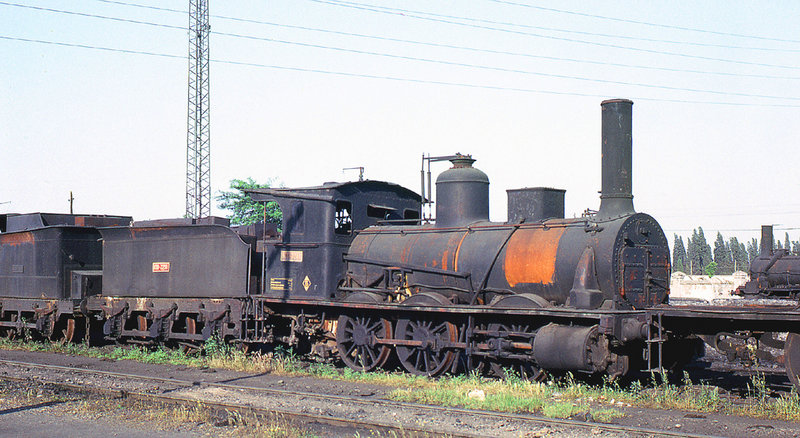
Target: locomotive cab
[{"x": 318, "y": 225}]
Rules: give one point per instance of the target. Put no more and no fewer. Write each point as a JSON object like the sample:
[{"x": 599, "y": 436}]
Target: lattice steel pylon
[{"x": 198, "y": 141}]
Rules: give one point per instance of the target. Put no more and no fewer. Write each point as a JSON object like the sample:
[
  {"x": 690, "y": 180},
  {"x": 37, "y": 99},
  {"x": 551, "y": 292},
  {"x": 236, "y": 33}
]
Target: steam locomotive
[
  {"x": 773, "y": 273},
  {"x": 354, "y": 274}
]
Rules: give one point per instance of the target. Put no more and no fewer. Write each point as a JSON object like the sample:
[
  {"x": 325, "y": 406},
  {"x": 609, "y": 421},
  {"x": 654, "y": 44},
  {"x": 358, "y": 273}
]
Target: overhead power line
[
  {"x": 457, "y": 47},
  {"x": 408, "y": 14},
  {"x": 645, "y": 23},
  {"x": 438, "y": 61},
  {"x": 481, "y": 20},
  {"x": 401, "y": 79},
  {"x": 411, "y": 14}
]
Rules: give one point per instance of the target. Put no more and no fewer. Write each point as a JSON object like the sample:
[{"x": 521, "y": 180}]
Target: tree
[
  {"x": 710, "y": 269},
  {"x": 752, "y": 249},
  {"x": 787, "y": 244},
  {"x": 722, "y": 256},
  {"x": 678, "y": 255},
  {"x": 700, "y": 252},
  {"x": 740, "y": 259},
  {"x": 245, "y": 211}
]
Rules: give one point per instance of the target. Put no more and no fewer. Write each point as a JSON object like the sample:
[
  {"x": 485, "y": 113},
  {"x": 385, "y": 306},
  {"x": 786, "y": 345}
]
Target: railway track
[{"x": 181, "y": 392}]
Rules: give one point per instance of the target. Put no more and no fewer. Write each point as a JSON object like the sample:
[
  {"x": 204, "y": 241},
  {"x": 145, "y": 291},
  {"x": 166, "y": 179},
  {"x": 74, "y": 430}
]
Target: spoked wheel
[
  {"x": 431, "y": 357},
  {"x": 356, "y": 337},
  {"x": 520, "y": 334},
  {"x": 792, "y": 358}
]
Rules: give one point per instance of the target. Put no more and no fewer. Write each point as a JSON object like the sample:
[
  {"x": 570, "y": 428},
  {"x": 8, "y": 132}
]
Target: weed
[{"x": 559, "y": 397}]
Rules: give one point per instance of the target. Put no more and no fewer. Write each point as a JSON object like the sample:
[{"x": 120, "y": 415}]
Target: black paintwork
[
  {"x": 306, "y": 260},
  {"x": 203, "y": 261},
  {"x": 38, "y": 263}
]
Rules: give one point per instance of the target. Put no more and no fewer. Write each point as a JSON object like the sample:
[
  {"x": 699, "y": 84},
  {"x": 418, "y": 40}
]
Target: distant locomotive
[
  {"x": 773, "y": 273},
  {"x": 354, "y": 273}
]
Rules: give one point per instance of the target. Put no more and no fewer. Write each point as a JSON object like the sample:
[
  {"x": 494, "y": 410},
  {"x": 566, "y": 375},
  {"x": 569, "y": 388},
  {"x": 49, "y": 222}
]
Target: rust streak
[
  {"x": 531, "y": 256},
  {"x": 458, "y": 249},
  {"x": 14, "y": 239}
]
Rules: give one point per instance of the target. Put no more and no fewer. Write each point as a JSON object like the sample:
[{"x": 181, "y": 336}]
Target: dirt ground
[{"x": 677, "y": 421}]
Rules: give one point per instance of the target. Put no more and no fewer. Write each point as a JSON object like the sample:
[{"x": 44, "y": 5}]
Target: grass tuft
[{"x": 564, "y": 397}]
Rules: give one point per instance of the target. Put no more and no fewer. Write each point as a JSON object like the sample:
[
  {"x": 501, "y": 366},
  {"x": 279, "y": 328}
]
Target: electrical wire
[
  {"x": 505, "y": 23},
  {"x": 397, "y": 78},
  {"x": 428, "y": 60},
  {"x": 410, "y": 14},
  {"x": 645, "y": 23},
  {"x": 457, "y": 47}
]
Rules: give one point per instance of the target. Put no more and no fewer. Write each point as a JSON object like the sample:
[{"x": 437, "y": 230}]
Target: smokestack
[
  {"x": 766, "y": 239},
  {"x": 616, "y": 197}
]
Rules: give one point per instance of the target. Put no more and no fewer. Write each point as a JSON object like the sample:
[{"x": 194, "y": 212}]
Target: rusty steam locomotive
[{"x": 354, "y": 273}]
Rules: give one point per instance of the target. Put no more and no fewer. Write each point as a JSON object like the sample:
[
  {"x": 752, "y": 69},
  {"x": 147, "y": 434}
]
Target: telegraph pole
[{"x": 198, "y": 144}]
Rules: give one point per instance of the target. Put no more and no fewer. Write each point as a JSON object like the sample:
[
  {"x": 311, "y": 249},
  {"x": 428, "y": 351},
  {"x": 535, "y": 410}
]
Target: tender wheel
[
  {"x": 188, "y": 347},
  {"x": 431, "y": 357},
  {"x": 792, "y": 358},
  {"x": 67, "y": 330},
  {"x": 141, "y": 325},
  {"x": 11, "y": 333},
  {"x": 356, "y": 337},
  {"x": 525, "y": 369}
]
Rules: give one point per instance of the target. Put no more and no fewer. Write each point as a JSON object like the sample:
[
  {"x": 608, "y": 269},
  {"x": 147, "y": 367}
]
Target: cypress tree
[
  {"x": 752, "y": 250},
  {"x": 701, "y": 256},
  {"x": 787, "y": 244},
  {"x": 678, "y": 255},
  {"x": 740, "y": 258},
  {"x": 722, "y": 256}
]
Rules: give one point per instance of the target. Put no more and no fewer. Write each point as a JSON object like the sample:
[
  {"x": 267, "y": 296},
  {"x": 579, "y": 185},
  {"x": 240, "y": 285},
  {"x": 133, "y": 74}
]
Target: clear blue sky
[{"x": 715, "y": 86}]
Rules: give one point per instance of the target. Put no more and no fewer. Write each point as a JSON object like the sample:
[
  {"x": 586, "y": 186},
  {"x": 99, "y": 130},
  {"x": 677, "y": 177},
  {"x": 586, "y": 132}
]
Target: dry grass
[{"x": 562, "y": 398}]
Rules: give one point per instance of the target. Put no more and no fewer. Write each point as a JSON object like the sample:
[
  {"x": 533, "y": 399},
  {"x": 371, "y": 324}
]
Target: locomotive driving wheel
[
  {"x": 432, "y": 356},
  {"x": 356, "y": 337},
  {"x": 792, "y": 358},
  {"x": 521, "y": 334}
]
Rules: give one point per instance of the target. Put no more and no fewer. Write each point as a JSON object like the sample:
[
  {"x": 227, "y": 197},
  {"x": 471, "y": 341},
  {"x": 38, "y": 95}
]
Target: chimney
[
  {"x": 616, "y": 197},
  {"x": 766, "y": 240}
]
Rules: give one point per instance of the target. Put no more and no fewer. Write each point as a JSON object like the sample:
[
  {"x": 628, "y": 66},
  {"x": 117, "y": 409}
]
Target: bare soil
[{"x": 678, "y": 421}]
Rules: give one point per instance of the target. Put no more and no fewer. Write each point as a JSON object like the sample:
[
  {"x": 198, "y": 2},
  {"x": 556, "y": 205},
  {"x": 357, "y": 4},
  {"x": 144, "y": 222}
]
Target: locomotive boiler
[{"x": 614, "y": 258}]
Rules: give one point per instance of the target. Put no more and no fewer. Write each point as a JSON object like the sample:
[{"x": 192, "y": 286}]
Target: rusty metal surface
[{"x": 631, "y": 258}]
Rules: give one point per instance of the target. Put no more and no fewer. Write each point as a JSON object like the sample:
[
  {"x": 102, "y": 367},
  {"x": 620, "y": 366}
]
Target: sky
[{"x": 301, "y": 89}]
